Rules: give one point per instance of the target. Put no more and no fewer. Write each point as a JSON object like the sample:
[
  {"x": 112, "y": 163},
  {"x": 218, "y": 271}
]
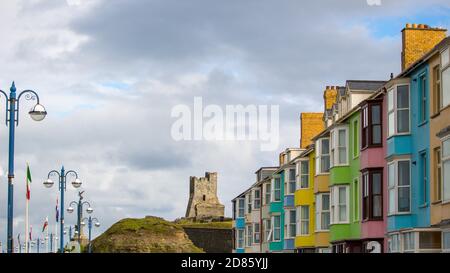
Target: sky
[{"x": 109, "y": 72}]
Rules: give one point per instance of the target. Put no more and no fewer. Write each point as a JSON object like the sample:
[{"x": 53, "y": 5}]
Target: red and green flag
[
  {"x": 45, "y": 224},
  {"x": 28, "y": 182}
]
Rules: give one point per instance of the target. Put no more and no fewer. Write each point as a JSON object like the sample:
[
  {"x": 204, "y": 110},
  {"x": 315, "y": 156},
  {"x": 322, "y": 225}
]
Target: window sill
[
  {"x": 397, "y": 135},
  {"x": 423, "y": 206},
  {"x": 436, "y": 202}
]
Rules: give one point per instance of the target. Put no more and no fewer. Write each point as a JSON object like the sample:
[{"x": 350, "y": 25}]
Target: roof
[
  {"x": 365, "y": 85},
  {"x": 341, "y": 91}
]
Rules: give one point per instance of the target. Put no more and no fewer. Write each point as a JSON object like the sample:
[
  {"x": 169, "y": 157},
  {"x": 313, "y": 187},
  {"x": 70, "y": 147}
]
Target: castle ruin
[{"x": 203, "y": 201}]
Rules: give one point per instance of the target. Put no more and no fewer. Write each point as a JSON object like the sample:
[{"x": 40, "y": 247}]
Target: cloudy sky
[{"x": 110, "y": 71}]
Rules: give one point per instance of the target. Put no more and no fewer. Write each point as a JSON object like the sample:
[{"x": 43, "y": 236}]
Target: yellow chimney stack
[
  {"x": 329, "y": 96},
  {"x": 311, "y": 124},
  {"x": 417, "y": 40}
]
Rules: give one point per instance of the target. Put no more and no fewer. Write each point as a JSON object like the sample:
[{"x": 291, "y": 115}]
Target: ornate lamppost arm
[
  {"x": 6, "y": 106},
  {"x": 29, "y": 95}
]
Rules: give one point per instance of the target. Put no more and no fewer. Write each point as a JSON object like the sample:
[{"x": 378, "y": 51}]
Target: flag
[
  {"x": 28, "y": 182},
  {"x": 31, "y": 231},
  {"x": 57, "y": 211},
  {"x": 45, "y": 224},
  {"x": 18, "y": 238}
]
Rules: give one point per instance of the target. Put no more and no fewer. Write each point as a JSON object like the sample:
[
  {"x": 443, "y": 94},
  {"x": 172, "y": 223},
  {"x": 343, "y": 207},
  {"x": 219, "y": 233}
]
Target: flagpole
[{"x": 27, "y": 231}]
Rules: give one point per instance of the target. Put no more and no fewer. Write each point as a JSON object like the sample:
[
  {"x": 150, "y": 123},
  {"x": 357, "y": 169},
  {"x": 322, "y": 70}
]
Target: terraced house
[{"x": 372, "y": 173}]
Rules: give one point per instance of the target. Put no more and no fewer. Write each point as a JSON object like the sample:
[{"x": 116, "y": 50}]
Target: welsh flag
[
  {"x": 45, "y": 224},
  {"x": 28, "y": 182}
]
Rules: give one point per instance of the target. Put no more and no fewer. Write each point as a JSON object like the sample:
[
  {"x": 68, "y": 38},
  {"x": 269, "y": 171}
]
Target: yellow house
[{"x": 304, "y": 202}]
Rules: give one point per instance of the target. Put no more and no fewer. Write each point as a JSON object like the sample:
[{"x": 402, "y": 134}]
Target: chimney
[
  {"x": 417, "y": 40},
  {"x": 311, "y": 124},
  {"x": 329, "y": 96}
]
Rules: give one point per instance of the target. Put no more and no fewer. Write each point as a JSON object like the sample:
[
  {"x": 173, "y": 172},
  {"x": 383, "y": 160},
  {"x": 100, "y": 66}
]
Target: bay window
[
  {"x": 394, "y": 243},
  {"x": 339, "y": 146},
  {"x": 398, "y": 110},
  {"x": 323, "y": 212},
  {"x": 445, "y": 77},
  {"x": 445, "y": 163},
  {"x": 399, "y": 182},
  {"x": 372, "y": 181},
  {"x": 322, "y": 156},
  {"x": 371, "y": 129},
  {"x": 339, "y": 204}
]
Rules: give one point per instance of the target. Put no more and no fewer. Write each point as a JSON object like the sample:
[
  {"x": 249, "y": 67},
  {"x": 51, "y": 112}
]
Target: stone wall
[{"x": 211, "y": 240}]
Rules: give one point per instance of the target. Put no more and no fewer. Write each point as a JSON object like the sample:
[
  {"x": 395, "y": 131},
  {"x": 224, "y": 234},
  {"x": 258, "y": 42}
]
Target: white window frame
[
  {"x": 302, "y": 175},
  {"x": 395, "y": 110},
  {"x": 267, "y": 193},
  {"x": 301, "y": 219},
  {"x": 444, "y": 68},
  {"x": 249, "y": 235},
  {"x": 335, "y": 151},
  {"x": 290, "y": 181},
  {"x": 319, "y": 155},
  {"x": 288, "y": 224},
  {"x": 274, "y": 229},
  {"x": 398, "y": 243},
  {"x": 256, "y": 201},
  {"x": 275, "y": 190},
  {"x": 256, "y": 233},
  {"x": 321, "y": 211},
  {"x": 394, "y": 187},
  {"x": 445, "y": 180},
  {"x": 267, "y": 230},
  {"x": 336, "y": 206}
]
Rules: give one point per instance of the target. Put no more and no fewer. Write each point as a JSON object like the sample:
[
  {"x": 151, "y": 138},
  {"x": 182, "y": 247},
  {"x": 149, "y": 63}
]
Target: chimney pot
[
  {"x": 328, "y": 87},
  {"x": 414, "y": 25},
  {"x": 408, "y": 25}
]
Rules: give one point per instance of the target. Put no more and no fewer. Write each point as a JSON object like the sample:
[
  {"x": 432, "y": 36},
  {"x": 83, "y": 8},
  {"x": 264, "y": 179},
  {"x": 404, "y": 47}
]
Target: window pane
[
  {"x": 403, "y": 199},
  {"x": 376, "y": 117},
  {"x": 325, "y": 146},
  {"x": 390, "y": 100},
  {"x": 325, "y": 164},
  {"x": 342, "y": 138},
  {"x": 305, "y": 167},
  {"x": 403, "y": 121},
  {"x": 292, "y": 216},
  {"x": 402, "y": 96},
  {"x": 391, "y": 175},
  {"x": 391, "y": 201},
  {"x": 325, "y": 202},
  {"x": 342, "y": 195},
  {"x": 446, "y": 240},
  {"x": 376, "y": 183},
  {"x": 325, "y": 221},
  {"x": 446, "y": 87},
  {"x": 445, "y": 57},
  {"x": 376, "y": 209},
  {"x": 376, "y": 134},
  {"x": 342, "y": 155},
  {"x": 343, "y": 213},
  {"x": 292, "y": 174},
  {"x": 403, "y": 173}
]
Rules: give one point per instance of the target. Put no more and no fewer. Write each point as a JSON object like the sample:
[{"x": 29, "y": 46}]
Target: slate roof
[{"x": 365, "y": 85}]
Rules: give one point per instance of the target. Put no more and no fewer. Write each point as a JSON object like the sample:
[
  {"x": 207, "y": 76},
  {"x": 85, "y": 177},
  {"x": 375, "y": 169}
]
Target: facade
[{"x": 372, "y": 173}]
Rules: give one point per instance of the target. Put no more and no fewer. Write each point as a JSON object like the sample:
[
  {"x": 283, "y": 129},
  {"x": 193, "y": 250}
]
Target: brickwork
[
  {"x": 418, "y": 39},
  {"x": 311, "y": 124}
]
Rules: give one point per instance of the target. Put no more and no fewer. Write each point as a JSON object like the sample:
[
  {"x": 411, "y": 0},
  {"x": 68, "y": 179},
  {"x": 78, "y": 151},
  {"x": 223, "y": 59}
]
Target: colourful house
[
  {"x": 408, "y": 148},
  {"x": 239, "y": 223}
]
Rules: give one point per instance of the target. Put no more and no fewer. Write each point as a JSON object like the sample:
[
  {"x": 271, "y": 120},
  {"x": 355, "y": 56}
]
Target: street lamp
[
  {"x": 80, "y": 205},
  {"x": 90, "y": 221},
  {"x": 62, "y": 176},
  {"x": 37, "y": 113}
]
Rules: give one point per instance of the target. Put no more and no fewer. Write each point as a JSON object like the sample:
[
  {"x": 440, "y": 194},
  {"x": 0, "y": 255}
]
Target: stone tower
[{"x": 203, "y": 200}]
